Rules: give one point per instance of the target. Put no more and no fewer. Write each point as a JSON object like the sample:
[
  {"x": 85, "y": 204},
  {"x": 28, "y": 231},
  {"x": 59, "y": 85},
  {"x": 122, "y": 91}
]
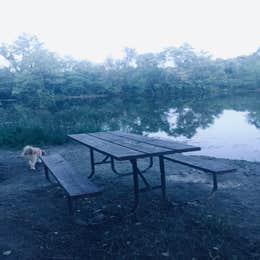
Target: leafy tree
[{"x": 38, "y": 76}]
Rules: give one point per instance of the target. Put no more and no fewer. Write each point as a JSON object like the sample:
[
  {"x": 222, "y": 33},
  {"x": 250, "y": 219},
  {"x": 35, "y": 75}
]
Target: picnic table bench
[
  {"x": 208, "y": 165},
  {"x": 117, "y": 145},
  {"x": 75, "y": 185}
]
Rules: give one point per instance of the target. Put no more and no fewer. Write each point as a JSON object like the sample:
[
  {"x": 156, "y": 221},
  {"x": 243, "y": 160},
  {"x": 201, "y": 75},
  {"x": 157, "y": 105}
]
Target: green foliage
[
  {"x": 6, "y": 83},
  {"x": 35, "y": 74},
  {"x": 37, "y": 78},
  {"x": 51, "y": 122}
]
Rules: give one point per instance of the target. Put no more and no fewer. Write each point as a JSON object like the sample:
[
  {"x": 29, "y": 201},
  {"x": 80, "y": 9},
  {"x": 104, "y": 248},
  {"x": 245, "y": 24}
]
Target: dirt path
[{"x": 34, "y": 223}]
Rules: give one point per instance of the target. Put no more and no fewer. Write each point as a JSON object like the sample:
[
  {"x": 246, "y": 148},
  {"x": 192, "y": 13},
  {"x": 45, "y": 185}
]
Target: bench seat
[
  {"x": 203, "y": 164},
  {"x": 209, "y": 165},
  {"x": 73, "y": 183}
]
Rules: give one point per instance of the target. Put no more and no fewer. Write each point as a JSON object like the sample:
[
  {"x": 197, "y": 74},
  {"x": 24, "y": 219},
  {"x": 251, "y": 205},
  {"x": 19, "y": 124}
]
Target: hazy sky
[{"x": 99, "y": 28}]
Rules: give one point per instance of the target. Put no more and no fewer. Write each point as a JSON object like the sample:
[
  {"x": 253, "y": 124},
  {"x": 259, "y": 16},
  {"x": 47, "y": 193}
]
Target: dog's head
[{"x": 27, "y": 150}]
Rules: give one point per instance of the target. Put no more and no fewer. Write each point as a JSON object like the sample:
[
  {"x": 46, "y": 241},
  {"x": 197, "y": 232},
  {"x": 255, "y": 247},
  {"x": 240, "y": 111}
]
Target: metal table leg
[
  {"x": 215, "y": 185},
  {"x": 115, "y": 170},
  {"x": 92, "y": 163},
  {"x": 46, "y": 171},
  {"x": 130, "y": 173},
  {"x": 136, "y": 185},
  {"x": 163, "y": 181},
  {"x": 215, "y": 182}
]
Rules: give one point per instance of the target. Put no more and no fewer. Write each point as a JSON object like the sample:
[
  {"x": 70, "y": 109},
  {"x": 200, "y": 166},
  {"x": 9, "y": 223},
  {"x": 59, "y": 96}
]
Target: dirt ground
[{"x": 34, "y": 220}]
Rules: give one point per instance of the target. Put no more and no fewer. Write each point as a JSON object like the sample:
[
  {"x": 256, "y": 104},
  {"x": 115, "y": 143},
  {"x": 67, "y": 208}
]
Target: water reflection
[
  {"x": 229, "y": 136},
  {"x": 222, "y": 126}
]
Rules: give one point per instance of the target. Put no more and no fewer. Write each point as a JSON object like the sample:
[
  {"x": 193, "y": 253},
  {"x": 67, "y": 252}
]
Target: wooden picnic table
[{"x": 117, "y": 145}]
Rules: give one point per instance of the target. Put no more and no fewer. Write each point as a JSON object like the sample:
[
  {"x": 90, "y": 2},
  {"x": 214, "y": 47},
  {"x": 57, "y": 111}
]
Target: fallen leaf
[
  {"x": 8, "y": 252},
  {"x": 165, "y": 253},
  {"x": 97, "y": 211}
]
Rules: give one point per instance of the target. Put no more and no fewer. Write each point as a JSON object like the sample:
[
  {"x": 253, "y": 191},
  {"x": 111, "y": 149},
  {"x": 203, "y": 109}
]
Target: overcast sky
[{"x": 99, "y": 28}]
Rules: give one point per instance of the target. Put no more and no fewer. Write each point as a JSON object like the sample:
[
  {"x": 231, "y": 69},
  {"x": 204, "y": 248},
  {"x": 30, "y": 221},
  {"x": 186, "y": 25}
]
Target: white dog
[{"x": 32, "y": 155}]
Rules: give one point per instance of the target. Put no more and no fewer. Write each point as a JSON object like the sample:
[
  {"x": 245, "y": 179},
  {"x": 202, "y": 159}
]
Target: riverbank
[{"x": 35, "y": 223}]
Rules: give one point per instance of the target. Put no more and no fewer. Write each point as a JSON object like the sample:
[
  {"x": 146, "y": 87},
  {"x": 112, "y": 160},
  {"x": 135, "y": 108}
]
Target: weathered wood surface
[
  {"x": 204, "y": 164},
  {"x": 175, "y": 146},
  {"x": 73, "y": 183},
  {"x": 132, "y": 144},
  {"x": 125, "y": 146},
  {"x": 117, "y": 151}
]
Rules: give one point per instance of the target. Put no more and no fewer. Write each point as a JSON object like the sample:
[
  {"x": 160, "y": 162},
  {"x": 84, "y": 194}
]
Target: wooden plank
[
  {"x": 132, "y": 144},
  {"x": 204, "y": 164},
  {"x": 117, "y": 151},
  {"x": 69, "y": 179},
  {"x": 175, "y": 146}
]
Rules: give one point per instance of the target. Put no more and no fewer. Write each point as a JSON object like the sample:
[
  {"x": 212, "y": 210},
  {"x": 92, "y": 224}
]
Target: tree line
[{"x": 34, "y": 74}]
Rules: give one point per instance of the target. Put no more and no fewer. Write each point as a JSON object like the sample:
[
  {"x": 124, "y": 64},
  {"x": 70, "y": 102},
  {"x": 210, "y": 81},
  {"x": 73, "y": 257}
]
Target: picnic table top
[{"x": 127, "y": 146}]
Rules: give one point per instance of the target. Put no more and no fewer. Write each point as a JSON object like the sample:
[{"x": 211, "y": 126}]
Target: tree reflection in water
[{"x": 20, "y": 124}]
